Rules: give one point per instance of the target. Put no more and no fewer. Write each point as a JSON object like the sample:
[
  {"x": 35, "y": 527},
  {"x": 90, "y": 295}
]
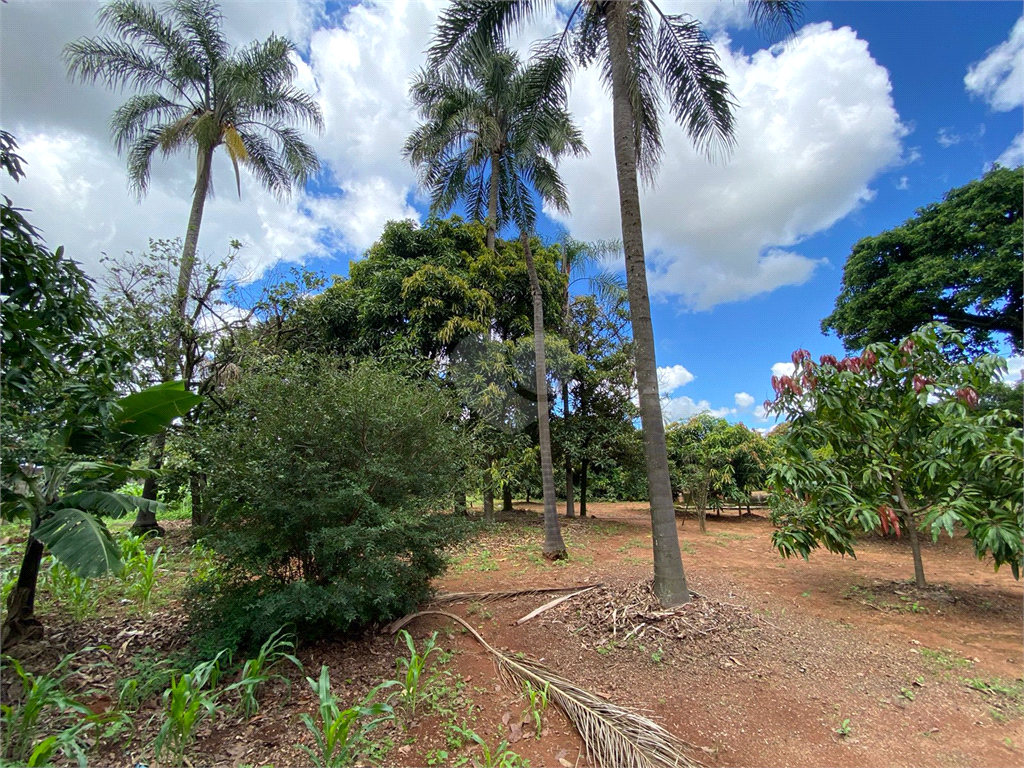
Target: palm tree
[
  {"x": 491, "y": 137},
  {"x": 638, "y": 58},
  {"x": 195, "y": 93}
]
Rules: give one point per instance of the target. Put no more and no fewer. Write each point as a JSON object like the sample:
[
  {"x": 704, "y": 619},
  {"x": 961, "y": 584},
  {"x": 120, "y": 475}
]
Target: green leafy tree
[
  {"x": 958, "y": 261},
  {"x": 716, "y": 462},
  {"x": 640, "y": 61},
  {"x": 325, "y": 483},
  {"x": 195, "y": 93},
  {"x": 489, "y": 127},
  {"x": 893, "y": 439}
]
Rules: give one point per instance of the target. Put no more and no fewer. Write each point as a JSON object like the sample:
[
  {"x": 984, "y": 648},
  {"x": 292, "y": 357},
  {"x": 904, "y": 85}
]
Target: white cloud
[
  {"x": 685, "y": 408},
  {"x": 904, "y": 183},
  {"x": 783, "y": 369},
  {"x": 1015, "y": 369},
  {"x": 947, "y": 138},
  {"x": 999, "y": 77},
  {"x": 743, "y": 400},
  {"x": 761, "y": 414},
  {"x": 672, "y": 378},
  {"x": 818, "y": 107},
  {"x": 1013, "y": 155}
]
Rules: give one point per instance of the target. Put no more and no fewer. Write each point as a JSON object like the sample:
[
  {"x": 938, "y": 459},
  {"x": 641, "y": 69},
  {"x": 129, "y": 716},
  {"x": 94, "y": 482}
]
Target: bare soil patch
[{"x": 828, "y": 662}]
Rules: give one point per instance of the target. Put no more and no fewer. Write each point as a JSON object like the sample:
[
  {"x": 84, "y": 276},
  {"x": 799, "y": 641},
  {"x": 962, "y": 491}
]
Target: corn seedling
[
  {"x": 145, "y": 573},
  {"x": 414, "y": 667},
  {"x": 338, "y": 733},
  {"x": 538, "y": 701},
  {"x": 501, "y": 757},
  {"x": 41, "y": 695},
  {"x": 75, "y": 593},
  {"x": 256, "y": 672},
  {"x": 186, "y": 702}
]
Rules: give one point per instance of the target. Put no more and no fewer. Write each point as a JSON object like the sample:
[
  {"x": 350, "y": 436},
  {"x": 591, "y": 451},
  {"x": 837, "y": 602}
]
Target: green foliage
[
  {"x": 258, "y": 671},
  {"x": 76, "y": 594},
  {"x": 537, "y": 699},
  {"x": 199, "y": 93},
  {"x": 22, "y": 716},
  {"x": 958, "y": 261},
  {"x": 500, "y": 757},
  {"x": 414, "y": 667},
  {"x": 324, "y": 485},
  {"x": 188, "y": 700},
  {"x": 894, "y": 438},
  {"x": 339, "y": 734},
  {"x": 716, "y": 462}
]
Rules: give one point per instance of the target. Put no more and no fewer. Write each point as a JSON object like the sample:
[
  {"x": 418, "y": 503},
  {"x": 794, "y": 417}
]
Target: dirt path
[
  {"x": 835, "y": 641},
  {"x": 777, "y": 663}
]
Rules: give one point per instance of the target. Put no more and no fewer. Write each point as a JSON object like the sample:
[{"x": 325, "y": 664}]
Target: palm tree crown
[
  {"x": 195, "y": 90},
  {"x": 489, "y": 137}
]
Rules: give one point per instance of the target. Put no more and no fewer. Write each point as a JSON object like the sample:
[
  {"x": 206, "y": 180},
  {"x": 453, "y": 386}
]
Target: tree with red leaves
[{"x": 893, "y": 440}]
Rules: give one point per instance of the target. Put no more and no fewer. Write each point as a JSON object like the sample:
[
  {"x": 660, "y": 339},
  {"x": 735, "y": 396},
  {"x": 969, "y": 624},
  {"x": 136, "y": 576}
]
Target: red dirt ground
[{"x": 801, "y": 648}]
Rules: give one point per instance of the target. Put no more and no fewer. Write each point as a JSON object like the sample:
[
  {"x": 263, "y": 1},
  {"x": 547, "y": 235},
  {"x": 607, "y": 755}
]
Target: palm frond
[
  {"x": 140, "y": 159},
  {"x": 776, "y": 18},
  {"x": 115, "y": 64},
  {"x": 468, "y": 28},
  {"x": 612, "y": 735},
  {"x": 698, "y": 95},
  {"x": 138, "y": 113},
  {"x": 204, "y": 23}
]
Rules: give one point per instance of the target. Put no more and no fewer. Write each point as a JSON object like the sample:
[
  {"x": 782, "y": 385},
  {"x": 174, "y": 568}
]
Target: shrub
[{"x": 324, "y": 485}]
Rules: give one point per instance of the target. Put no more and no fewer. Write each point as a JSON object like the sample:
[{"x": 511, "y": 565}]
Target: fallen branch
[
  {"x": 557, "y": 601},
  {"x": 612, "y": 735},
  {"x": 448, "y": 598}
]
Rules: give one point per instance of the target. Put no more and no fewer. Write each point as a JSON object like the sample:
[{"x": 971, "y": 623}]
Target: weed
[
  {"x": 537, "y": 698},
  {"x": 1003, "y": 695},
  {"x": 687, "y": 547},
  {"x": 501, "y": 757},
  {"x": 186, "y": 702},
  {"x": 255, "y": 672},
  {"x": 339, "y": 734},
  {"x": 805, "y": 594},
  {"x": 844, "y": 728},
  {"x": 41, "y": 695},
  {"x": 152, "y": 675},
  {"x": 907, "y": 694},
  {"x": 944, "y": 660},
  {"x": 658, "y": 656}
]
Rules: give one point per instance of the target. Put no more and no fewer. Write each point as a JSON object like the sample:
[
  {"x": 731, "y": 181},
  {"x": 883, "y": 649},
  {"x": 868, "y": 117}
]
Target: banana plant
[{"x": 66, "y": 500}]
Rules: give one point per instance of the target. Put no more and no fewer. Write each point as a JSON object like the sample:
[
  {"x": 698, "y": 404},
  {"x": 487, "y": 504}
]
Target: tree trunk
[
  {"x": 554, "y": 547},
  {"x": 570, "y": 510},
  {"x": 492, "y": 202},
  {"x": 488, "y": 502},
  {"x": 196, "y": 486},
  {"x": 145, "y": 519},
  {"x": 910, "y": 521},
  {"x": 506, "y": 497},
  {"x": 669, "y": 578},
  {"x": 584, "y": 465},
  {"x": 21, "y": 623}
]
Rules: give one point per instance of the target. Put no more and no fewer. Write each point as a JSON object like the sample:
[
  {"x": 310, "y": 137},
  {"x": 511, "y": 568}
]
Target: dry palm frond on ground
[
  {"x": 612, "y": 735},
  {"x": 447, "y": 598}
]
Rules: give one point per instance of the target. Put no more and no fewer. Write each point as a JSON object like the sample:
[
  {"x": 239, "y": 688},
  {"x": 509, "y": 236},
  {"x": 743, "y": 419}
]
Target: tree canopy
[
  {"x": 894, "y": 438},
  {"x": 958, "y": 261}
]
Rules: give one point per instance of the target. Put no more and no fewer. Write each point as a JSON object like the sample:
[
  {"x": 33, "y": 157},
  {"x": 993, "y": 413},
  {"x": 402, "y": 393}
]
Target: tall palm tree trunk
[
  {"x": 570, "y": 510},
  {"x": 145, "y": 519},
  {"x": 492, "y": 202},
  {"x": 554, "y": 547},
  {"x": 669, "y": 579}
]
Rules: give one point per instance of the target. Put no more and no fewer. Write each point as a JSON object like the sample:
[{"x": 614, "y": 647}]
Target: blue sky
[{"x": 861, "y": 118}]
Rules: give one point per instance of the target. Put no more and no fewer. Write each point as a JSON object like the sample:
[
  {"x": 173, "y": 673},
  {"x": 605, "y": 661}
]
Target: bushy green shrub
[{"x": 325, "y": 485}]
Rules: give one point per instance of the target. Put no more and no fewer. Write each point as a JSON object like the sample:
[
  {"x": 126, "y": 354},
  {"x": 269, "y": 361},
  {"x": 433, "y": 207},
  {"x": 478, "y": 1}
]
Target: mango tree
[{"x": 893, "y": 439}]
